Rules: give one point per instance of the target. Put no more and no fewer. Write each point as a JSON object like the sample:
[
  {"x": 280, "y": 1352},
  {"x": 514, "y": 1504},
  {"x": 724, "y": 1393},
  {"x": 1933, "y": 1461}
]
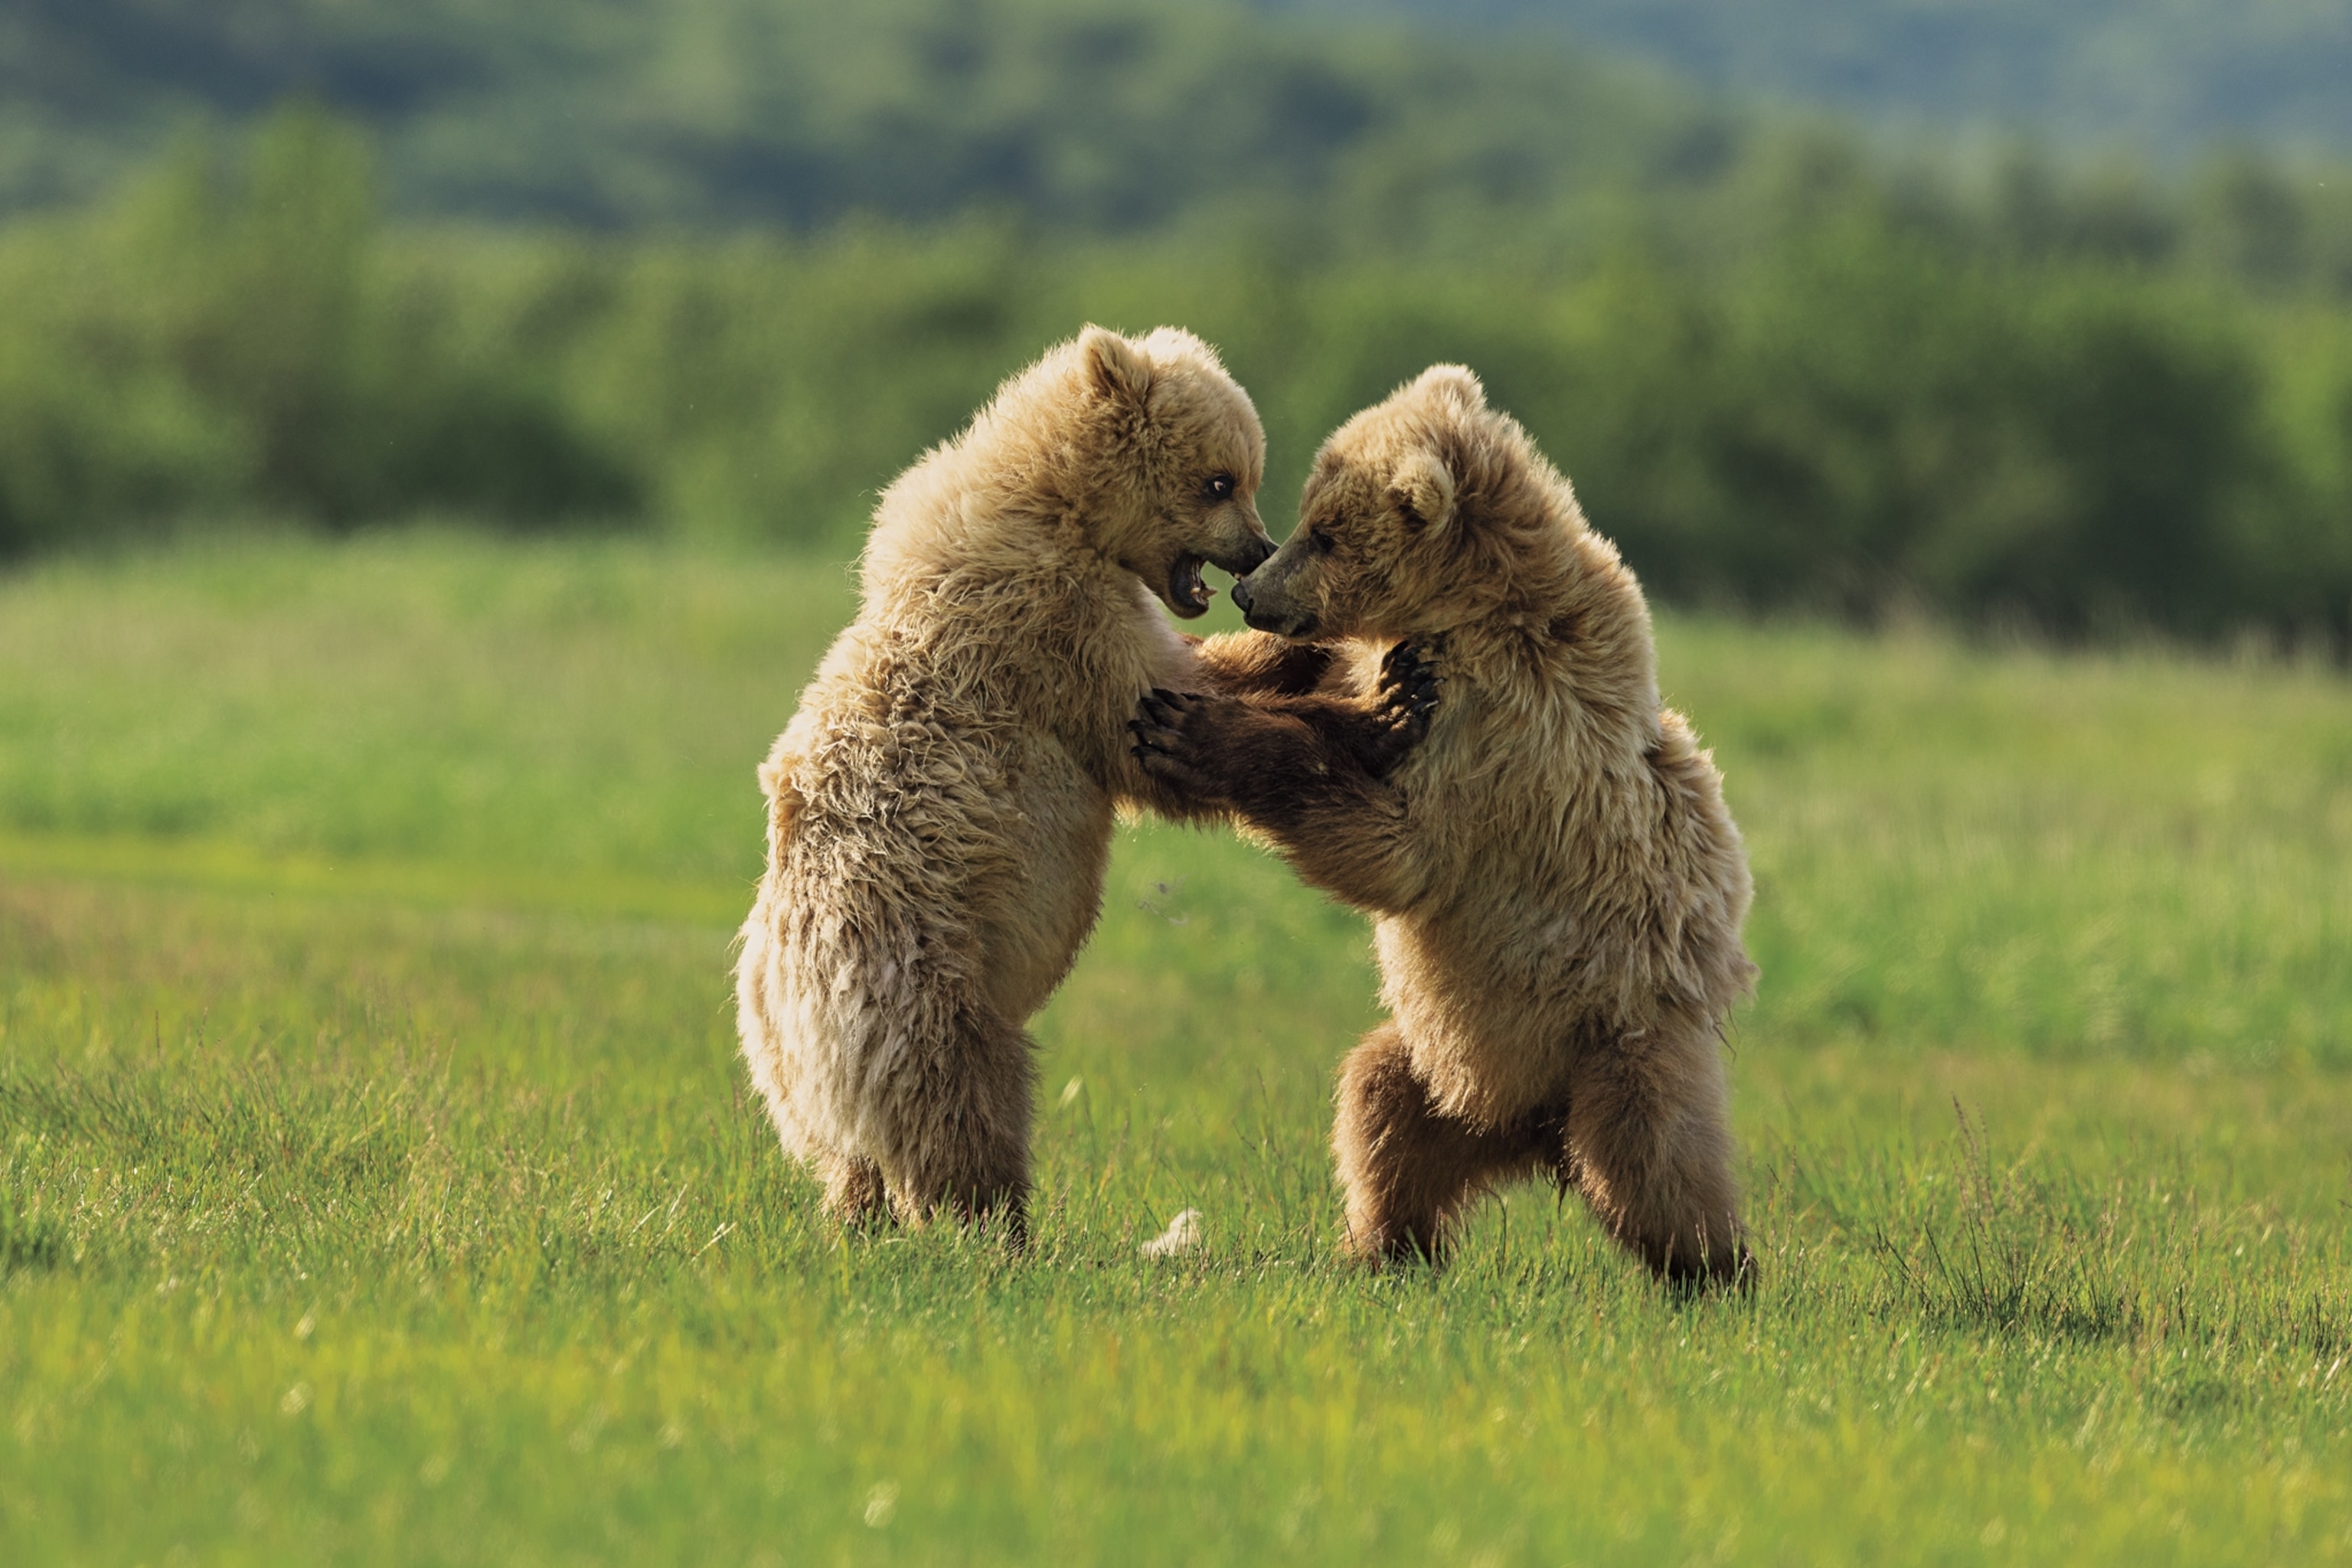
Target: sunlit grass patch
[{"x": 385, "y": 1188}]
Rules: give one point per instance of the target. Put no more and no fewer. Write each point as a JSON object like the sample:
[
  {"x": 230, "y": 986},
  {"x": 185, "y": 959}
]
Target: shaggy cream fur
[
  {"x": 940, "y": 808},
  {"x": 1558, "y": 884}
]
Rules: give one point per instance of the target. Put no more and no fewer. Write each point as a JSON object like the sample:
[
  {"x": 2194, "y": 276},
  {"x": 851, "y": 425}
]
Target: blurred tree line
[
  {"x": 2171, "y": 76},
  {"x": 1080, "y": 116},
  {"x": 1805, "y": 379}
]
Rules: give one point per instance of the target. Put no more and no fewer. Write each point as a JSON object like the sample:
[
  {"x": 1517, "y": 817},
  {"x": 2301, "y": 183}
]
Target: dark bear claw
[
  {"x": 1406, "y": 697},
  {"x": 1161, "y": 744}
]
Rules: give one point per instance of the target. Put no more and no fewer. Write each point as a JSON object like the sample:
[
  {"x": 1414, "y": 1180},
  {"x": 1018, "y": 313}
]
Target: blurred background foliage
[
  {"x": 2168, "y": 75},
  {"x": 720, "y": 267}
]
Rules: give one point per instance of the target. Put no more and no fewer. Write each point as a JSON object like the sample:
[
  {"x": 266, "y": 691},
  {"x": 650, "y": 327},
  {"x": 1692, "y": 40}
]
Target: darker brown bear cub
[{"x": 1558, "y": 886}]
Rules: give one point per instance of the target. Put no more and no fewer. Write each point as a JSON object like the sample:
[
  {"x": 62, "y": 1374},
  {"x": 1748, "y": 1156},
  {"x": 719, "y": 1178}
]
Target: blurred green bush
[
  {"x": 1857, "y": 401},
  {"x": 230, "y": 336}
]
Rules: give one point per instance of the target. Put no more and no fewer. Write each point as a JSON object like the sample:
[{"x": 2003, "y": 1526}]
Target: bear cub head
[
  {"x": 1411, "y": 519},
  {"x": 1178, "y": 455}
]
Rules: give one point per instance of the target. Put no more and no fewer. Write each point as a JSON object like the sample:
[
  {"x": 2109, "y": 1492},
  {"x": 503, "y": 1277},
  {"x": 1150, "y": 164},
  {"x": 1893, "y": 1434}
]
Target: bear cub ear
[
  {"x": 1422, "y": 489},
  {"x": 1116, "y": 370},
  {"x": 1456, "y": 383}
]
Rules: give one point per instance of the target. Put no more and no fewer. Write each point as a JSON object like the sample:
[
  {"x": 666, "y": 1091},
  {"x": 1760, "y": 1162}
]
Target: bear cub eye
[
  {"x": 1221, "y": 487},
  {"x": 1321, "y": 538}
]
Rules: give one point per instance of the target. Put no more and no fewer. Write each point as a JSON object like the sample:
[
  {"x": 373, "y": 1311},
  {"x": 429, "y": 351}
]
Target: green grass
[{"x": 377, "y": 1184}]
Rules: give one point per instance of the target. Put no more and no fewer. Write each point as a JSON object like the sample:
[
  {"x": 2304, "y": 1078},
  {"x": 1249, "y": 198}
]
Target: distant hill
[
  {"x": 2164, "y": 77},
  {"x": 1103, "y": 116},
  {"x": 1308, "y": 129}
]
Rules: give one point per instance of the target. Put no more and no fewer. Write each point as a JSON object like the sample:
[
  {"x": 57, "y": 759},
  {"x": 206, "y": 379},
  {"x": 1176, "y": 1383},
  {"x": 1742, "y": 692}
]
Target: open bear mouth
[{"x": 1185, "y": 592}]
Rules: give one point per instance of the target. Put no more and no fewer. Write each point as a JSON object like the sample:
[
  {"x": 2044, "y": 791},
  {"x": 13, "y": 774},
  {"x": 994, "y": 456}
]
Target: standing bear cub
[
  {"x": 1558, "y": 887},
  {"x": 940, "y": 807}
]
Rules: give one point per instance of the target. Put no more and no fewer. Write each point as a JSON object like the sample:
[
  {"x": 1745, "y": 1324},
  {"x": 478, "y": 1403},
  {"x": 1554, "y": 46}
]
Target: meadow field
[{"x": 378, "y": 1184}]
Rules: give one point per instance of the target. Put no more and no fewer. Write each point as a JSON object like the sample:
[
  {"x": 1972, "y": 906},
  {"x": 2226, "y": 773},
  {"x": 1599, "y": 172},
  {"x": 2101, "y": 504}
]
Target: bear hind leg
[
  {"x": 957, "y": 1128},
  {"x": 1649, "y": 1148},
  {"x": 1409, "y": 1170}
]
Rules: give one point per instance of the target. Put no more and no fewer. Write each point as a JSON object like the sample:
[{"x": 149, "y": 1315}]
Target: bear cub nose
[{"x": 1241, "y": 593}]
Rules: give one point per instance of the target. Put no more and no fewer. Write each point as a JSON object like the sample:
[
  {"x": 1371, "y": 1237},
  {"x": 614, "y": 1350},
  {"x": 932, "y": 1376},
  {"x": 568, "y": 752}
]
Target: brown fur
[
  {"x": 1557, "y": 885},
  {"x": 941, "y": 805}
]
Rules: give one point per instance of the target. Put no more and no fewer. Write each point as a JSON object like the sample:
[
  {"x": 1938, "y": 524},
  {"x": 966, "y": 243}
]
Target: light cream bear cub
[{"x": 940, "y": 808}]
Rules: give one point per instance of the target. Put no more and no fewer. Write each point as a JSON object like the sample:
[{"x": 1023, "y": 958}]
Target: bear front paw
[
  {"x": 1168, "y": 745},
  {"x": 1402, "y": 703}
]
